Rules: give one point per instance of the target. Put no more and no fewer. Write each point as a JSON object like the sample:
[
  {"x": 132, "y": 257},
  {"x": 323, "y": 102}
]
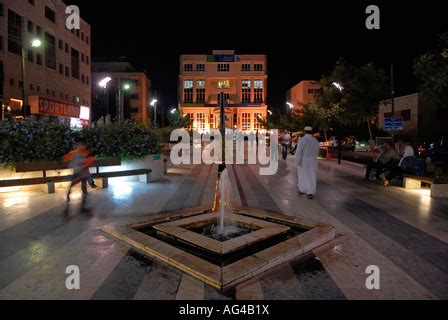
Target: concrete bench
[{"x": 103, "y": 177}]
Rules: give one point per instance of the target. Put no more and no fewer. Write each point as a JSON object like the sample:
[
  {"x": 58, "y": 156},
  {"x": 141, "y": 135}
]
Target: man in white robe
[{"x": 306, "y": 160}]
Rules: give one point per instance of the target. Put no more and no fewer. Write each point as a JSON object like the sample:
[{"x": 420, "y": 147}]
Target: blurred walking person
[
  {"x": 286, "y": 142},
  {"x": 80, "y": 159},
  {"x": 307, "y": 165}
]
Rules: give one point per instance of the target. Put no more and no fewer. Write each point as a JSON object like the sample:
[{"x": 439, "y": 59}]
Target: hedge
[{"x": 48, "y": 141}]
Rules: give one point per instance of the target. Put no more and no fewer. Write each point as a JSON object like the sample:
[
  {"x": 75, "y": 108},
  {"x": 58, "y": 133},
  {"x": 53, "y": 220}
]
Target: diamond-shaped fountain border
[
  {"x": 230, "y": 275},
  {"x": 178, "y": 229}
]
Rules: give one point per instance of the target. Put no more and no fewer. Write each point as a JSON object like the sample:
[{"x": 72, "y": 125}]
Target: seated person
[
  {"x": 386, "y": 159},
  {"x": 406, "y": 165}
]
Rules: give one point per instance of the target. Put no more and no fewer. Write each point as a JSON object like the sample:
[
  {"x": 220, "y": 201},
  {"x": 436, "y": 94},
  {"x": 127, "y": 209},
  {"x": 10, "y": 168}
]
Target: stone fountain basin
[
  {"x": 180, "y": 229},
  {"x": 265, "y": 224}
]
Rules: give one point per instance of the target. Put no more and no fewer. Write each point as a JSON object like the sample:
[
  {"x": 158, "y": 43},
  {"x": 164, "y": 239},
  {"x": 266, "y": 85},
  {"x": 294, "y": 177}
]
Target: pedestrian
[
  {"x": 286, "y": 142},
  {"x": 80, "y": 159},
  {"x": 406, "y": 165},
  {"x": 387, "y": 159},
  {"x": 307, "y": 165}
]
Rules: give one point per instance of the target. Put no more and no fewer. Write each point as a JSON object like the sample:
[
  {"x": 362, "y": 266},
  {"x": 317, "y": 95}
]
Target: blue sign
[
  {"x": 393, "y": 123},
  {"x": 223, "y": 58}
]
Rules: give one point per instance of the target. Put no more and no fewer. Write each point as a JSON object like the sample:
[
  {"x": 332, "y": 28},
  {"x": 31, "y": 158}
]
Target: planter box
[{"x": 439, "y": 190}]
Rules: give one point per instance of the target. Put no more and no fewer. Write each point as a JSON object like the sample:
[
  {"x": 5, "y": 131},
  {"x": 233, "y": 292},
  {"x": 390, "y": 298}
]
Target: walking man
[
  {"x": 306, "y": 160},
  {"x": 286, "y": 142},
  {"x": 80, "y": 159}
]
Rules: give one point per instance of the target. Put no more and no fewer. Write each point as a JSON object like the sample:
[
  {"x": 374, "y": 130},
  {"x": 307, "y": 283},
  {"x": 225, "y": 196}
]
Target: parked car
[
  {"x": 435, "y": 149},
  {"x": 362, "y": 146}
]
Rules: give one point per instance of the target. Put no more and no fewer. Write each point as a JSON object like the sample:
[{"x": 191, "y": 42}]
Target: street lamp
[
  {"x": 270, "y": 112},
  {"x": 290, "y": 105},
  {"x": 103, "y": 84},
  {"x": 173, "y": 111},
  {"x": 154, "y": 104},
  {"x": 35, "y": 43},
  {"x": 125, "y": 87},
  {"x": 338, "y": 86}
]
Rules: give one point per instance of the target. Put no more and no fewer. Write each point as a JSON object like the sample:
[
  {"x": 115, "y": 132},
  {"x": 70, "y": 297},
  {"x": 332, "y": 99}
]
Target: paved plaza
[{"x": 403, "y": 232}]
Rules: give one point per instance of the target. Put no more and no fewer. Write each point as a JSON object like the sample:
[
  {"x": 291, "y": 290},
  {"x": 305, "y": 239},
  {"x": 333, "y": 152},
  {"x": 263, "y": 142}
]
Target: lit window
[
  {"x": 200, "y": 121},
  {"x": 246, "y": 91},
  {"x": 258, "y": 84},
  {"x": 200, "y": 91},
  {"x": 245, "y": 121},
  {"x": 223, "y": 84},
  {"x": 188, "y": 84},
  {"x": 200, "y": 84},
  {"x": 188, "y": 91}
]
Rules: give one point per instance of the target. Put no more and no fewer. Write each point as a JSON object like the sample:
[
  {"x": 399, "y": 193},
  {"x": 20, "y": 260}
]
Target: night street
[{"x": 221, "y": 160}]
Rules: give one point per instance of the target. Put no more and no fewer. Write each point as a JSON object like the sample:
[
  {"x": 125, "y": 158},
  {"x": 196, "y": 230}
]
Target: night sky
[{"x": 303, "y": 39}]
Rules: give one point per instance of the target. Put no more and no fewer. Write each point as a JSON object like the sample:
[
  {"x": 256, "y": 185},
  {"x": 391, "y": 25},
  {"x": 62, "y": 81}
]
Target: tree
[
  {"x": 359, "y": 94},
  {"x": 431, "y": 71}
]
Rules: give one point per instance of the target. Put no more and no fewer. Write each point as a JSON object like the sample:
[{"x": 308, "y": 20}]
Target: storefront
[{"x": 70, "y": 113}]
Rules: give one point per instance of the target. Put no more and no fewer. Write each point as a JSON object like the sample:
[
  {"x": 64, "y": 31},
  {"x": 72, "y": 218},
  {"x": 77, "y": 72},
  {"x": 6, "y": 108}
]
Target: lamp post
[
  {"x": 103, "y": 84},
  {"x": 125, "y": 87},
  {"x": 340, "y": 87},
  {"x": 35, "y": 43},
  {"x": 154, "y": 104}
]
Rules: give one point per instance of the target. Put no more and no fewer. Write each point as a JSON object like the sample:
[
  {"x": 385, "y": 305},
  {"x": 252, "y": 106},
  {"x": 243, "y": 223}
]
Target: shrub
[{"x": 49, "y": 141}]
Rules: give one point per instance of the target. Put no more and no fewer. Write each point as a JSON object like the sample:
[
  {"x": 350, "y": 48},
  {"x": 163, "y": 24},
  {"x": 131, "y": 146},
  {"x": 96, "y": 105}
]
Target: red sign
[{"x": 58, "y": 108}]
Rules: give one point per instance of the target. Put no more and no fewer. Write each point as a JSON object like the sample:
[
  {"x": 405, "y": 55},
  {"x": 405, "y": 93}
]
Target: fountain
[{"x": 223, "y": 245}]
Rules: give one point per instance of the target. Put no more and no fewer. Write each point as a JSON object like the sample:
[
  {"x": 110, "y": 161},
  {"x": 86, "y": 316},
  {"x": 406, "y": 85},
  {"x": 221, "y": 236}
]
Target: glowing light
[
  {"x": 153, "y": 102},
  {"x": 84, "y": 113},
  {"x": 290, "y": 105},
  {"x": 173, "y": 111},
  {"x": 36, "y": 43},
  {"x": 127, "y": 86},
  {"x": 338, "y": 86},
  {"x": 103, "y": 83},
  {"x": 20, "y": 102}
]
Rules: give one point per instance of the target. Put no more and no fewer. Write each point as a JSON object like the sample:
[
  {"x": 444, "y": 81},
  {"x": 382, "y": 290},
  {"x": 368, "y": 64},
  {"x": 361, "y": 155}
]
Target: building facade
[
  {"x": 242, "y": 79},
  {"x": 304, "y": 93},
  {"x": 421, "y": 118},
  {"x": 134, "y": 104},
  {"x": 57, "y": 74}
]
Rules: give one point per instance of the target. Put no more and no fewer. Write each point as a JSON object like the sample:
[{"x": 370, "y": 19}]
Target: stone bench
[{"x": 49, "y": 181}]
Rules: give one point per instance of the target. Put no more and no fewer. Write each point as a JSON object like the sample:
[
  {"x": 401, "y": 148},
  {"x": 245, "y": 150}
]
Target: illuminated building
[
  {"x": 242, "y": 79},
  {"x": 58, "y": 71}
]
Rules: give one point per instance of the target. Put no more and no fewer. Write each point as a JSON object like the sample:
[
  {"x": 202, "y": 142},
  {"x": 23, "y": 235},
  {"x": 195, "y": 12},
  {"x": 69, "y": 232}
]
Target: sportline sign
[{"x": 50, "y": 107}]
